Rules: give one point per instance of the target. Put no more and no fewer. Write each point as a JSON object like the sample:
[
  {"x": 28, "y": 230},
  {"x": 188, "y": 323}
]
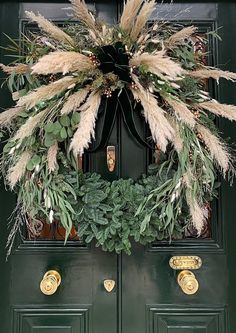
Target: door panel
[
  {"x": 80, "y": 301},
  {"x": 147, "y": 297},
  {"x": 81, "y": 304},
  {"x": 156, "y": 302}
]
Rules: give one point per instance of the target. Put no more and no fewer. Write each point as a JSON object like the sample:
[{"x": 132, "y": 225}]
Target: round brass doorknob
[
  {"x": 50, "y": 282},
  {"x": 188, "y": 282}
]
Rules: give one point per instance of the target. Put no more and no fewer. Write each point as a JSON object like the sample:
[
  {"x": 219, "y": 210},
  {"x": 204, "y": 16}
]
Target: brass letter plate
[{"x": 185, "y": 262}]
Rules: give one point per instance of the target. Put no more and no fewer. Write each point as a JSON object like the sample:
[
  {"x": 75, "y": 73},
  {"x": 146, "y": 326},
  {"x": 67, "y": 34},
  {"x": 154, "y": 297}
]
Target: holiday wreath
[{"x": 62, "y": 78}]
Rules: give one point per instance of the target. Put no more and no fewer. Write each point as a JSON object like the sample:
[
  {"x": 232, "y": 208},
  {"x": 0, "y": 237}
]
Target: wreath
[{"x": 63, "y": 78}]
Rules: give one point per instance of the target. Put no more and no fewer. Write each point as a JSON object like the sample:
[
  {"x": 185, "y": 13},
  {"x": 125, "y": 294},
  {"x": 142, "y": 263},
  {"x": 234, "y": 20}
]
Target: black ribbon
[
  {"x": 114, "y": 59},
  {"x": 119, "y": 102}
]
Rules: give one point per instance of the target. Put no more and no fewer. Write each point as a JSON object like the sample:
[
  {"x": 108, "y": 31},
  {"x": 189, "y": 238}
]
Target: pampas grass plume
[
  {"x": 9, "y": 115},
  {"x": 29, "y": 126},
  {"x": 130, "y": 11},
  {"x": 73, "y": 102},
  {"x": 50, "y": 28},
  {"x": 52, "y": 158},
  {"x": 217, "y": 149},
  {"x": 142, "y": 19},
  {"x": 46, "y": 92},
  {"x": 16, "y": 172},
  {"x": 215, "y": 74},
  {"x": 223, "y": 110},
  {"x": 85, "y": 131},
  {"x": 158, "y": 64},
  {"x": 180, "y": 36},
  {"x": 62, "y": 62},
  {"x": 181, "y": 111}
]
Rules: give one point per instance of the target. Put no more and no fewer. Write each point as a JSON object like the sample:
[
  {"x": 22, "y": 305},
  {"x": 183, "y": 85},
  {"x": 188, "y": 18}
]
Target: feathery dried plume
[
  {"x": 18, "y": 69},
  {"x": 73, "y": 102},
  {"x": 223, "y": 110},
  {"x": 130, "y": 11},
  {"x": 62, "y": 62},
  {"x": 215, "y": 74},
  {"x": 158, "y": 64},
  {"x": 85, "y": 131},
  {"x": 217, "y": 148},
  {"x": 181, "y": 110},
  {"x": 197, "y": 214},
  {"x": 162, "y": 131},
  {"x": 16, "y": 172},
  {"x": 82, "y": 13},
  {"x": 179, "y": 37},
  {"x": 50, "y": 28},
  {"x": 29, "y": 126},
  {"x": 177, "y": 140},
  {"x": 7, "y": 116},
  {"x": 142, "y": 18},
  {"x": 46, "y": 92},
  {"x": 52, "y": 158}
]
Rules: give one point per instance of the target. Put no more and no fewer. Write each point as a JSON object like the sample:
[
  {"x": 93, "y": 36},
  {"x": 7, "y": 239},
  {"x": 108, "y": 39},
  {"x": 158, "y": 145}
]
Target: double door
[{"x": 146, "y": 296}]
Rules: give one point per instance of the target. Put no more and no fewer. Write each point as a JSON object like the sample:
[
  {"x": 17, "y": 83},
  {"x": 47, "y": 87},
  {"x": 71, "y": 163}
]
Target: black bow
[{"x": 114, "y": 59}]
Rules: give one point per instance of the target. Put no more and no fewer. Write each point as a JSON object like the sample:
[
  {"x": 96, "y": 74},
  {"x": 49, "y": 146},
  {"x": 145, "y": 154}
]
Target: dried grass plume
[
  {"x": 181, "y": 111},
  {"x": 85, "y": 131},
  {"x": 50, "y": 28},
  {"x": 82, "y": 13},
  {"x": 46, "y": 92},
  {"x": 130, "y": 11},
  {"x": 16, "y": 172},
  {"x": 17, "y": 69},
  {"x": 223, "y": 110},
  {"x": 180, "y": 36},
  {"x": 177, "y": 140},
  {"x": 217, "y": 149},
  {"x": 158, "y": 64},
  {"x": 9, "y": 115},
  {"x": 52, "y": 158},
  {"x": 142, "y": 18},
  {"x": 29, "y": 126},
  {"x": 215, "y": 74},
  {"x": 62, "y": 62},
  {"x": 161, "y": 129},
  {"x": 74, "y": 101}
]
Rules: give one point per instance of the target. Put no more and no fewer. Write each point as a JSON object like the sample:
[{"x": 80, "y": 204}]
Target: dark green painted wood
[
  {"x": 147, "y": 298},
  {"x": 7, "y": 200},
  {"x": 81, "y": 300},
  {"x": 156, "y": 303}
]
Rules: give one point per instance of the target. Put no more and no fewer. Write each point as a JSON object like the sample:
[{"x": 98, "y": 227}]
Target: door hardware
[
  {"x": 186, "y": 279},
  {"x": 111, "y": 158},
  {"x": 50, "y": 282},
  {"x": 109, "y": 285},
  {"x": 185, "y": 262},
  {"x": 188, "y": 282}
]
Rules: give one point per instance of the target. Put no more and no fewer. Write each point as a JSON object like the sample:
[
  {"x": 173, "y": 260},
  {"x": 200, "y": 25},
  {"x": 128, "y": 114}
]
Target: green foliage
[{"x": 112, "y": 214}]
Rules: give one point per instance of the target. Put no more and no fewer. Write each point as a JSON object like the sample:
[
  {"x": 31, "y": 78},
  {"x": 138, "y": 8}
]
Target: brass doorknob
[
  {"x": 50, "y": 282},
  {"x": 188, "y": 282}
]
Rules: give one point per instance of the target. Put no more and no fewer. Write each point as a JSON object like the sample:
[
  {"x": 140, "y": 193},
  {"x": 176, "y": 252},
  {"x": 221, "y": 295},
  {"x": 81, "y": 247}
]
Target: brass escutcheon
[
  {"x": 50, "y": 282},
  {"x": 111, "y": 158},
  {"x": 188, "y": 282},
  {"x": 109, "y": 285},
  {"x": 185, "y": 262}
]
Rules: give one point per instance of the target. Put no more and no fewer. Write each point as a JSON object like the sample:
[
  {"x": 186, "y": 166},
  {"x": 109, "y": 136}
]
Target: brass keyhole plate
[{"x": 109, "y": 285}]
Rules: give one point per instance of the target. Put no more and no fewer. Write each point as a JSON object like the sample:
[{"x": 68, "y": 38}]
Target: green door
[
  {"x": 81, "y": 304},
  {"x": 146, "y": 297},
  {"x": 156, "y": 303}
]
